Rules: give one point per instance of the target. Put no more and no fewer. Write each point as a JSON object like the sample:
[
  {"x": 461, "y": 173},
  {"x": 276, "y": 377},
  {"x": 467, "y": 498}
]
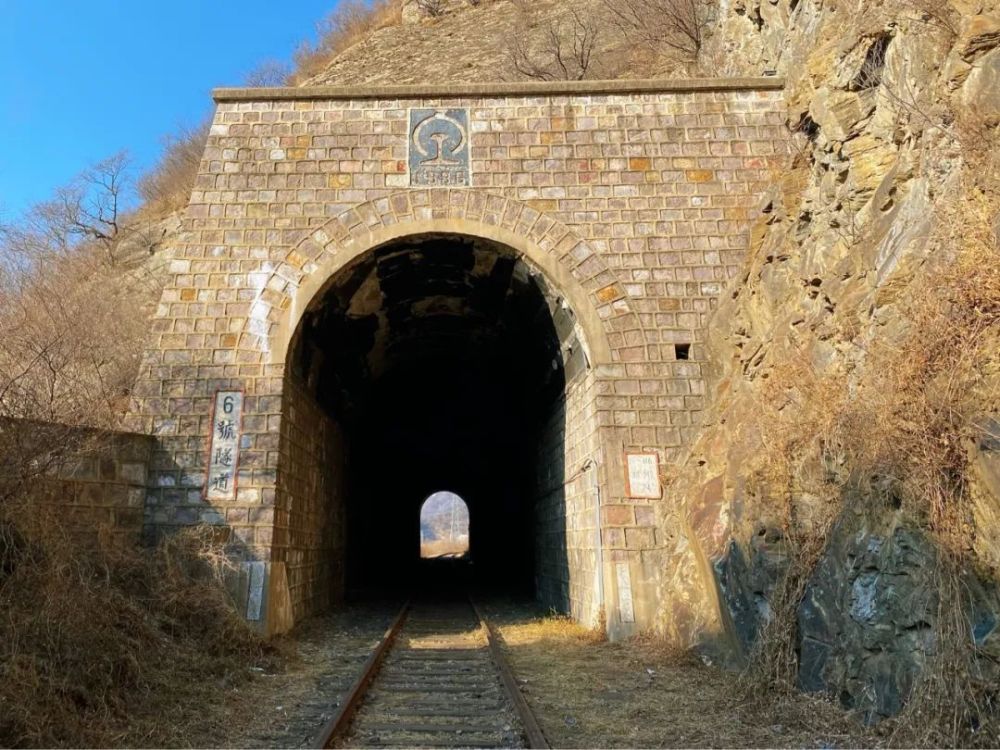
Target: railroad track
[{"x": 438, "y": 678}]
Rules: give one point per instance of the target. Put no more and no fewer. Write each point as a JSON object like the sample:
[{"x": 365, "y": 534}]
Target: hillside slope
[{"x": 472, "y": 43}]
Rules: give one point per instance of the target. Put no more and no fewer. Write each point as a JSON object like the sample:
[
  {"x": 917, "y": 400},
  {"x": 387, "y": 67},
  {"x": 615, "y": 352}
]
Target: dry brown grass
[
  {"x": 442, "y": 547},
  {"x": 890, "y": 436},
  {"x": 99, "y": 645},
  {"x": 167, "y": 186},
  {"x": 72, "y": 329},
  {"x": 587, "y": 692},
  {"x": 110, "y": 646},
  {"x": 350, "y": 23}
]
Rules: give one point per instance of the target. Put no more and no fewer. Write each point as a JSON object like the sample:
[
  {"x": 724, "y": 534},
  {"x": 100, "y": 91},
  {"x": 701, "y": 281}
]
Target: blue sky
[{"x": 83, "y": 79}]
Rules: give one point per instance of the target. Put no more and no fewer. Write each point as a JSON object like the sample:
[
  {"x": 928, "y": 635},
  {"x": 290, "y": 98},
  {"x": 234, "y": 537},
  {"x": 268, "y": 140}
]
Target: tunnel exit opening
[
  {"x": 436, "y": 361},
  {"x": 444, "y": 527}
]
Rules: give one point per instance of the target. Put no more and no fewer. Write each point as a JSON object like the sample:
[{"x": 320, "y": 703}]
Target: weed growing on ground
[
  {"x": 106, "y": 646},
  {"x": 890, "y": 435}
]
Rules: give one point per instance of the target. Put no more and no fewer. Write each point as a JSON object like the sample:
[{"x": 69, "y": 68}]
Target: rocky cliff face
[{"x": 849, "y": 456}]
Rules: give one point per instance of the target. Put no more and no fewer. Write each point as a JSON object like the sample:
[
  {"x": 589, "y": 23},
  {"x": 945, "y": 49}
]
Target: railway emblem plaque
[{"x": 439, "y": 148}]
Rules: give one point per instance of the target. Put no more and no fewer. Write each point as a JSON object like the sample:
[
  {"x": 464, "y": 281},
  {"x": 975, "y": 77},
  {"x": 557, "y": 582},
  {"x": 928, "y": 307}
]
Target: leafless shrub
[
  {"x": 676, "y": 26},
  {"x": 97, "y": 644},
  {"x": 433, "y": 8},
  {"x": 900, "y": 429},
  {"x": 95, "y": 639},
  {"x": 870, "y": 74},
  {"x": 167, "y": 186},
  {"x": 269, "y": 73},
  {"x": 74, "y": 304},
  {"x": 90, "y": 209},
  {"x": 942, "y": 15},
  {"x": 559, "y": 49},
  {"x": 915, "y": 104},
  {"x": 351, "y": 22},
  {"x": 71, "y": 337}
]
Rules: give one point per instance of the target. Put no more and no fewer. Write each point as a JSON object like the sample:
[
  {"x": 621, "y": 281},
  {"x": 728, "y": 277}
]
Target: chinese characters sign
[
  {"x": 643, "y": 475},
  {"x": 224, "y": 446},
  {"x": 439, "y": 147}
]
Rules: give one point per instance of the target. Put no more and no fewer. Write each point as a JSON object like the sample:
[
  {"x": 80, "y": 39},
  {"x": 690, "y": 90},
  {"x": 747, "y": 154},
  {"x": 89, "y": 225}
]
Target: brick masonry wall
[
  {"x": 639, "y": 201},
  {"x": 96, "y": 481},
  {"x": 310, "y": 505},
  {"x": 566, "y": 541}
]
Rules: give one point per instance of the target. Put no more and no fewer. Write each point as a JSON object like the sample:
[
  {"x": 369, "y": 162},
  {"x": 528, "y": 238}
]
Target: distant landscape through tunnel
[
  {"x": 444, "y": 527},
  {"x": 437, "y": 361}
]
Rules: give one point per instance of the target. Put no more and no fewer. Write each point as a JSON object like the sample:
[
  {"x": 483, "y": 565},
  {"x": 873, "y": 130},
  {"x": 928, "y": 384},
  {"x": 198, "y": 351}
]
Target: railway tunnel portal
[
  {"x": 499, "y": 291},
  {"x": 437, "y": 360}
]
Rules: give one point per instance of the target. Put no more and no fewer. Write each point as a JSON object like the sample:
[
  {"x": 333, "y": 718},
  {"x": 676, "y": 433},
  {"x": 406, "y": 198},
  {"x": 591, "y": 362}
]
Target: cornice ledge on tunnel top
[{"x": 485, "y": 90}]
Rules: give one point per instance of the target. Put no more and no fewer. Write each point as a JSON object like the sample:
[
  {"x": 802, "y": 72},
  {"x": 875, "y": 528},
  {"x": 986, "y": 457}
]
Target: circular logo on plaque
[{"x": 439, "y": 139}]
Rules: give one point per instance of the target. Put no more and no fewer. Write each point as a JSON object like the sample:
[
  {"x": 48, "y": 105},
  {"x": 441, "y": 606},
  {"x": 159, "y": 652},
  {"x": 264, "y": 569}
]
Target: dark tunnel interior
[{"x": 444, "y": 361}]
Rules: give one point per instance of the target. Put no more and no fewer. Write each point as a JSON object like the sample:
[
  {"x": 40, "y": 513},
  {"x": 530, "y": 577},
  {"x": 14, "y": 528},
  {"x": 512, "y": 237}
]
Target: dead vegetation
[
  {"x": 167, "y": 186},
  {"x": 673, "y": 27},
  {"x": 351, "y": 22},
  {"x": 587, "y": 692},
  {"x": 559, "y": 49},
  {"x": 606, "y": 39},
  {"x": 91, "y": 209},
  {"x": 105, "y": 647},
  {"x": 890, "y": 436},
  {"x": 99, "y": 645},
  {"x": 76, "y": 290},
  {"x": 71, "y": 338},
  {"x": 871, "y": 416},
  {"x": 432, "y": 8}
]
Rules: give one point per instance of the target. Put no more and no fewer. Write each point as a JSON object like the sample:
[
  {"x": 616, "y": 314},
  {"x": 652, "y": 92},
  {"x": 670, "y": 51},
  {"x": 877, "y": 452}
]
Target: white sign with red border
[
  {"x": 224, "y": 446},
  {"x": 642, "y": 475}
]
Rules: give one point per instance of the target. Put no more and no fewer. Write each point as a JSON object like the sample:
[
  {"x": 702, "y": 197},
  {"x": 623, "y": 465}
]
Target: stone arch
[{"x": 582, "y": 276}]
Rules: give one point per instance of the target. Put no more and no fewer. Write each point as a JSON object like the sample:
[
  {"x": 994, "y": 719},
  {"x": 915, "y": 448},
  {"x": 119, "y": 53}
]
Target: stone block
[{"x": 618, "y": 515}]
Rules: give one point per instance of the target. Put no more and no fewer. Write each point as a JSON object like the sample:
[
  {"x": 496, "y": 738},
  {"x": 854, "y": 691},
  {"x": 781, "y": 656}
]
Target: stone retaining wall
[{"x": 93, "y": 482}]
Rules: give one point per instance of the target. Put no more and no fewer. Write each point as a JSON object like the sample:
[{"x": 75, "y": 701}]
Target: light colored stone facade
[{"x": 633, "y": 200}]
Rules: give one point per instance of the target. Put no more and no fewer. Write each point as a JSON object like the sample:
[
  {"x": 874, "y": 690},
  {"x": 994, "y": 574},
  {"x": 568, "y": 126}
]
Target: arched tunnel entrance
[{"x": 436, "y": 361}]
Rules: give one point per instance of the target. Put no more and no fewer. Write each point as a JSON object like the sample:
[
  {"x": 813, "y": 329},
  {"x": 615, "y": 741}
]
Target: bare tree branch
[
  {"x": 269, "y": 73},
  {"x": 90, "y": 209},
  {"x": 433, "y": 8},
  {"x": 561, "y": 49},
  {"x": 168, "y": 185},
  {"x": 675, "y": 26}
]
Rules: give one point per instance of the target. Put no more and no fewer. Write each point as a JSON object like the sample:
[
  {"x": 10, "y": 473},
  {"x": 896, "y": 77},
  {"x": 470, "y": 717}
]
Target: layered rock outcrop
[{"x": 893, "y": 184}]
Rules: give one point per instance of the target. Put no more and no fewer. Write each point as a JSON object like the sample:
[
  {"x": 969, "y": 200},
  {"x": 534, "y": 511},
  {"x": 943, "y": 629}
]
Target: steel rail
[
  {"x": 533, "y": 732},
  {"x": 341, "y": 722}
]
